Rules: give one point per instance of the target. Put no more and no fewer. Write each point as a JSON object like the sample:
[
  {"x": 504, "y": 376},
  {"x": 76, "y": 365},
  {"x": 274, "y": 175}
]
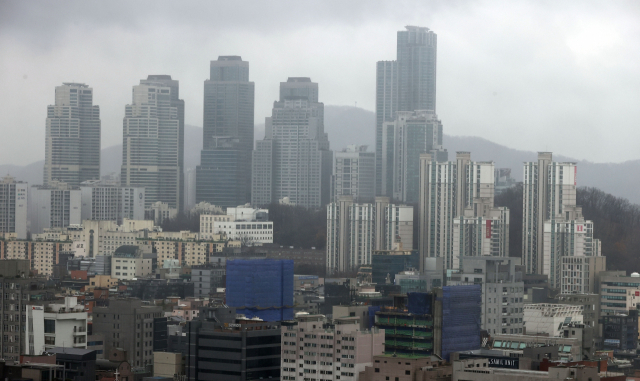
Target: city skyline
[{"x": 497, "y": 81}]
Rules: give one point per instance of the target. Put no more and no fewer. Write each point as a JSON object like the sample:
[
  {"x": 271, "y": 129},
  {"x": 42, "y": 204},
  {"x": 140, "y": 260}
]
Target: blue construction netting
[
  {"x": 261, "y": 288},
  {"x": 372, "y": 315},
  {"x": 419, "y": 303},
  {"x": 461, "y": 308}
]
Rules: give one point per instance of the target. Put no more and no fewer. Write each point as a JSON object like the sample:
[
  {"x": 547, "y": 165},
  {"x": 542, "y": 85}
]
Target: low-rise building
[
  {"x": 55, "y": 325},
  {"x": 473, "y": 369},
  {"x": 311, "y": 348},
  {"x": 248, "y": 225},
  {"x": 129, "y": 262},
  {"x": 547, "y": 318},
  {"x": 391, "y": 367},
  {"x": 127, "y": 324},
  {"x": 223, "y": 347},
  {"x": 619, "y": 293}
]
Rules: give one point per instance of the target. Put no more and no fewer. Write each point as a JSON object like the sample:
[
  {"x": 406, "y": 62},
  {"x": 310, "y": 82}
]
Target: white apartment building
[
  {"x": 457, "y": 214},
  {"x": 403, "y": 140},
  {"x": 101, "y": 237},
  {"x": 354, "y": 171},
  {"x": 549, "y": 188},
  {"x": 549, "y": 318},
  {"x": 129, "y": 262},
  {"x": 354, "y": 231},
  {"x": 100, "y": 202},
  {"x": 13, "y": 207},
  {"x": 54, "y": 206},
  {"x": 55, "y": 325},
  {"x": 312, "y": 350},
  {"x": 248, "y": 225},
  {"x": 578, "y": 275},
  {"x": 568, "y": 236},
  {"x": 481, "y": 236}
]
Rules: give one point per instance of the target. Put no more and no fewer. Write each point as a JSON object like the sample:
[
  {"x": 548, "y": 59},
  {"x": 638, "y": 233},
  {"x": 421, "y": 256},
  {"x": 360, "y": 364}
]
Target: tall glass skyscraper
[
  {"x": 406, "y": 84},
  {"x": 72, "y": 143},
  {"x": 293, "y": 160},
  {"x": 223, "y": 177},
  {"x": 153, "y": 141}
]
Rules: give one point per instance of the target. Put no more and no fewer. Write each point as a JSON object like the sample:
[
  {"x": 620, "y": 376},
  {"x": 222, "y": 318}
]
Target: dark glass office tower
[{"x": 223, "y": 177}]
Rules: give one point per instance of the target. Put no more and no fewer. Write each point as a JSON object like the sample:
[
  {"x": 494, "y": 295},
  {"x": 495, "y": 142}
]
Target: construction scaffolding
[
  {"x": 261, "y": 288},
  {"x": 461, "y": 320}
]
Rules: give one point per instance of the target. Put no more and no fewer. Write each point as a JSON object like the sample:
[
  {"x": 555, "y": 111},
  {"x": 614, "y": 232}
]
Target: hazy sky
[{"x": 539, "y": 75}]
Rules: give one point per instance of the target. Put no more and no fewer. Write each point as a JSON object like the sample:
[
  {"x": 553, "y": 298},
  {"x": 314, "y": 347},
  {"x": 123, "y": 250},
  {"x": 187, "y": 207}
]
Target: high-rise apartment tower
[
  {"x": 293, "y": 160},
  {"x": 72, "y": 142},
  {"x": 548, "y": 189},
  {"x": 406, "y": 84},
  {"x": 153, "y": 141}
]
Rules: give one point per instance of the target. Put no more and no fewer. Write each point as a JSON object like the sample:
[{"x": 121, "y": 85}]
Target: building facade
[
  {"x": 72, "y": 140},
  {"x": 502, "y": 291},
  {"x": 222, "y": 347},
  {"x": 548, "y": 318},
  {"x": 111, "y": 203},
  {"x": 313, "y": 349},
  {"x": 406, "y": 84},
  {"x": 293, "y": 160},
  {"x": 567, "y": 243},
  {"x": 13, "y": 207},
  {"x": 548, "y": 189},
  {"x": 354, "y": 174},
  {"x": 56, "y": 325},
  {"x": 223, "y": 177},
  {"x": 619, "y": 293},
  {"x": 404, "y": 139},
  {"x": 128, "y": 324},
  {"x": 354, "y": 231},
  {"x": 457, "y": 212},
  {"x": 57, "y": 205},
  {"x": 153, "y": 141}
]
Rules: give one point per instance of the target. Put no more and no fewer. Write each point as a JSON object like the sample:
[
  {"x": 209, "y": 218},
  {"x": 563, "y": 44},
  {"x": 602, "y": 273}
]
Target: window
[{"x": 49, "y": 326}]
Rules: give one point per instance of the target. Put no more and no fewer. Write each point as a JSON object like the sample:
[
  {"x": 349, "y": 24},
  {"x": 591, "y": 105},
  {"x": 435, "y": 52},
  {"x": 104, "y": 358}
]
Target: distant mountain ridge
[{"x": 350, "y": 125}]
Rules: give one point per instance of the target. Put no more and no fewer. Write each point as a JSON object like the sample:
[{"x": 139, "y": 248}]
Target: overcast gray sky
[{"x": 539, "y": 75}]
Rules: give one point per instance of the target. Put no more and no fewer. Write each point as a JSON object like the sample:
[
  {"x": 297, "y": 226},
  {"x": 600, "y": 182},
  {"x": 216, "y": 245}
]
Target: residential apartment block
[
  {"x": 128, "y": 324},
  {"x": 72, "y": 140},
  {"x": 13, "y": 207},
  {"x": 293, "y": 160},
  {"x": 548, "y": 189},
  {"x": 153, "y": 141},
  {"x": 404, "y": 139},
  {"x": 313, "y": 349},
  {"x": 354, "y": 231},
  {"x": 57, "y": 205},
  {"x": 457, "y": 214},
  {"x": 354, "y": 174},
  {"x": 111, "y": 203},
  {"x": 406, "y": 84},
  {"x": 502, "y": 291}
]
